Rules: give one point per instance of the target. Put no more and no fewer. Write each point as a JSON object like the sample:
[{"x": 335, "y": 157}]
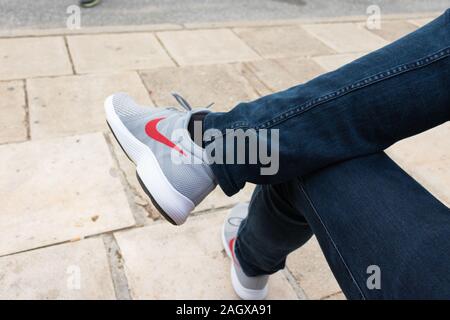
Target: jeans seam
[
  {"x": 234, "y": 126},
  {"x": 331, "y": 239},
  {"x": 365, "y": 82}
]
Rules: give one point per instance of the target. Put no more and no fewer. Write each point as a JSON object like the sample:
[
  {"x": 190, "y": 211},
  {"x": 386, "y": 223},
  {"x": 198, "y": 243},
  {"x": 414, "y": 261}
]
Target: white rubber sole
[
  {"x": 171, "y": 204},
  {"x": 241, "y": 291}
]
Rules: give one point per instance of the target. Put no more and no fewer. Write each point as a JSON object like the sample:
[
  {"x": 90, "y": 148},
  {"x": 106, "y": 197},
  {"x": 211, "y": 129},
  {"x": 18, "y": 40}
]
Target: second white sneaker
[{"x": 248, "y": 288}]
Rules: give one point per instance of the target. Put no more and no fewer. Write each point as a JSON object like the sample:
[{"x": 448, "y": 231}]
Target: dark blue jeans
[{"x": 334, "y": 180}]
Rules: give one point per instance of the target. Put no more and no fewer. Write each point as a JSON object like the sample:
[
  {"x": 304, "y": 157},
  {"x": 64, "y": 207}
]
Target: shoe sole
[
  {"x": 243, "y": 292},
  {"x": 172, "y": 205}
]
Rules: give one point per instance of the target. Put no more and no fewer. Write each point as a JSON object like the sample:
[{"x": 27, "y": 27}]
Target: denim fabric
[
  {"x": 359, "y": 109},
  {"x": 334, "y": 179},
  {"x": 365, "y": 211}
]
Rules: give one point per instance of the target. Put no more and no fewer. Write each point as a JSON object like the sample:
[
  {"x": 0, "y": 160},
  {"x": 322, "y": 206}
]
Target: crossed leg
[{"x": 364, "y": 212}]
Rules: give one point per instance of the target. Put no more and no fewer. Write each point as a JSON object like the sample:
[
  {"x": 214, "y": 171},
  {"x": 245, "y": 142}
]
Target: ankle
[{"x": 195, "y": 128}]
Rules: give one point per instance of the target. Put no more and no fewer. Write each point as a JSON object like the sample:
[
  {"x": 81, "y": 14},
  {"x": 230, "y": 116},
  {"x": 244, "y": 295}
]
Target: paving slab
[
  {"x": 333, "y": 62},
  {"x": 280, "y": 74},
  {"x": 393, "y": 30},
  {"x": 77, "y": 270},
  {"x": 311, "y": 270},
  {"x": 70, "y": 105},
  {"x": 33, "y": 57},
  {"x": 57, "y": 190},
  {"x": 426, "y": 158},
  {"x": 13, "y": 122},
  {"x": 282, "y": 42},
  {"x": 117, "y": 52},
  {"x": 187, "y": 262},
  {"x": 222, "y": 84},
  {"x": 302, "y": 70},
  {"x": 194, "y": 47},
  {"x": 346, "y": 37}
]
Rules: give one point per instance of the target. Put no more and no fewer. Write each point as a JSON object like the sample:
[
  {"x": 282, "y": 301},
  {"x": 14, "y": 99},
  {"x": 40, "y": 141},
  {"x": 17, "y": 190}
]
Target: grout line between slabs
[
  {"x": 166, "y": 50},
  {"x": 66, "y": 43},
  {"x": 294, "y": 284},
  {"x": 330, "y": 295},
  {"x": 247, "y": 44},
  {"x": 27, "y": 110},
  {"x": 61, "y": 242},
  {"x": 139, "y": 73},
  {"x": 116, "y": 267}
]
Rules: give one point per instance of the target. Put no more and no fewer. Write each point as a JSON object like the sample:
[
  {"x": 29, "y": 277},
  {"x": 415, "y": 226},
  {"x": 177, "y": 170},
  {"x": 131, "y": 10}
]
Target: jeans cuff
[
  {"x": 247, "y": 268},
  {"x": 219, "y": 170},
  {"x": 223, "y": 179}
]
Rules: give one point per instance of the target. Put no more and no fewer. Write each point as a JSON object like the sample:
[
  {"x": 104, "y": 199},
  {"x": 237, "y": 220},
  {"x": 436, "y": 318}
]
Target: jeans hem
[
  {"x": 223, "y": 180},
  {"x": 219, "y": 170}
]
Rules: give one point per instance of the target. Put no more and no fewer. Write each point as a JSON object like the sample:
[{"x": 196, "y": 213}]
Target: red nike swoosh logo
[
  {"x": 231, "y": 245},
  {"x": 152, "y": 132}
]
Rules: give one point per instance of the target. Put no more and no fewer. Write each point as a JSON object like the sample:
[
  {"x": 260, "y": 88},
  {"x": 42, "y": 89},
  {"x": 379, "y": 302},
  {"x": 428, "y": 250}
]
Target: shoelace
[{"x": 182, "y": 101}]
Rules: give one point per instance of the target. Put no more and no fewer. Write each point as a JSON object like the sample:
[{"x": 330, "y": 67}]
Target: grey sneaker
[
  {"x": 248, "y": 288},
  {"x": 169, "y": 165}
]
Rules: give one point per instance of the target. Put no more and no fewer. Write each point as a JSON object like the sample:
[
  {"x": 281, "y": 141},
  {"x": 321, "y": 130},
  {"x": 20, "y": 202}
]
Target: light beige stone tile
[
  {"x": 421, "y": 22},
  {"x": 346, "y": 37},
  {"x": 222, "y": 84},
  {"x": 117, "y": 52},
  {"x": 77, "y": 270},
  {"x": 74, "y": 104},
  {"x": 282, "y": 42},
  {"x": 13, "y": 125},
  {"x": 272, "y": 75},
  {"x": 393, "y": 30},
  {"x": 186, "y": 262},
  {"x": 426, "y": 157},
  {"x": 333, "y": 62},
  {"x": 310, "y": 269},
  {"x": 193, "y": 47},
  {"x": 302, "y": 70},
  {"x": 33, "y": 57},
  {"x": 57, "y": 190},
  {"x": 281, "y": 74}
]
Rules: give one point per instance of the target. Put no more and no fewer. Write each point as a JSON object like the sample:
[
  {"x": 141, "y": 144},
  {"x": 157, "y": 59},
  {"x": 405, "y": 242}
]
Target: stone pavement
[{"x": 74, "y": 222}]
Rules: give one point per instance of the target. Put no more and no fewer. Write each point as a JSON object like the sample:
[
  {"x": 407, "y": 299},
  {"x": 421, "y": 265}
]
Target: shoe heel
[
  {"x": 170, "y": 203},
  {"x": 155, "y": 204}
]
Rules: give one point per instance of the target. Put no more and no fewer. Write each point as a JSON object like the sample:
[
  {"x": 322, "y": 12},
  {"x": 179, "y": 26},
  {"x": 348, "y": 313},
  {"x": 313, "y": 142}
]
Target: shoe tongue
[
  {"x": 187, "y": 142},
  {"x": 183, "y": 121}
]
